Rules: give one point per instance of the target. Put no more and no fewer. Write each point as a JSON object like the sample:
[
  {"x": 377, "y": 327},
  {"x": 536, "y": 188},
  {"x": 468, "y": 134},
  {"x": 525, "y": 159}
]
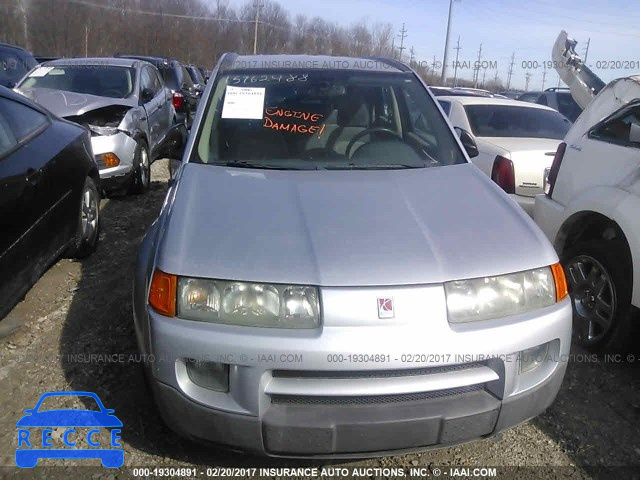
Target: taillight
[
  {"x": 555, "y": 168},
  {"x": 178, "y": 100},
  {"x": 503, "y": 174}
]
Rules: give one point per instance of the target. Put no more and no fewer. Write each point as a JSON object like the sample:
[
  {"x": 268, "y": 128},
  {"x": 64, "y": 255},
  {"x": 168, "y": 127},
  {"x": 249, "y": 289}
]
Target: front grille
[
  {"x": 373, "y": 373},
  {"x": 374, "y": 400}
]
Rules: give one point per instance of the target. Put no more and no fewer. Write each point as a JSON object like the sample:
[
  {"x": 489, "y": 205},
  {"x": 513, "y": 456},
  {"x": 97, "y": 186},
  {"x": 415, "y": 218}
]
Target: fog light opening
[
  {"x": 532, "y": 358},
  {"x": 210, "y": 375}
]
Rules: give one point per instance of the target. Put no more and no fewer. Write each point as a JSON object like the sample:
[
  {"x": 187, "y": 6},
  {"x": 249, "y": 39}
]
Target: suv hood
[
  {"x": 67, "y": 104},
  {"x": 346, "y": 228}
]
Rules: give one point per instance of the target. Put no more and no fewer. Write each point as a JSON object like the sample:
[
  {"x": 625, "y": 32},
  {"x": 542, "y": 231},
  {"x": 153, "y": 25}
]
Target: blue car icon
[{"x": 31, "y": 451}]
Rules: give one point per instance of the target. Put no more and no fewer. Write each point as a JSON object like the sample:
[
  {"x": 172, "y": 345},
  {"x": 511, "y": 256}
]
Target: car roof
[
  {"x": 493, "y": 101},
  {"x": 15, "y": 47},
  {"x": 104, "y": 61},
  {"x": 233, "y": 61},
  {"x": 147, "y": 58}
]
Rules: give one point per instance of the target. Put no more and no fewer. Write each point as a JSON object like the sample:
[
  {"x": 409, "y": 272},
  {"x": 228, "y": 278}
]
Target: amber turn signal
[
  {"x": 162, "y": 294},
  {"x": 110, "y": 160},
  {"x": 562, "y": 289}
]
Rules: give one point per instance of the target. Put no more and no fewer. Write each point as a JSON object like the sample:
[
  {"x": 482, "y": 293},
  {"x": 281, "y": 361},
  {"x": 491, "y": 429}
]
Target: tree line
[{"x": 189, "y": 30}]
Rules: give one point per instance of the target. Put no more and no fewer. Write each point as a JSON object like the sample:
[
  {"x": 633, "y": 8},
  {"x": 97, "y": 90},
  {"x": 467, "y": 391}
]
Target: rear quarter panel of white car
[{"x": 604, "y": 178}]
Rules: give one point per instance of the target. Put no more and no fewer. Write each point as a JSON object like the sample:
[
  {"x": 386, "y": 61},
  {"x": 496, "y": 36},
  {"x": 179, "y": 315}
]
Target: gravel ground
[{"x": 83, "y": 308}]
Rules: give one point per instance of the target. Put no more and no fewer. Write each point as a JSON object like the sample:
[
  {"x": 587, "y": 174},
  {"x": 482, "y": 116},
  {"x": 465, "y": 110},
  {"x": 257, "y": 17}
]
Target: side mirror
[
  {"x": 468, "y": 142},
  {"x": 11, "y": 84},
  {"x": 147, "y": 95},
  {"x": 174, "y": 143}
]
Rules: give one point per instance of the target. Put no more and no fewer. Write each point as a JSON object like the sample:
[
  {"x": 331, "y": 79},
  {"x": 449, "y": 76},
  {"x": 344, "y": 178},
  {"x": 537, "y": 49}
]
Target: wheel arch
[{"x": 592, "y": 225}]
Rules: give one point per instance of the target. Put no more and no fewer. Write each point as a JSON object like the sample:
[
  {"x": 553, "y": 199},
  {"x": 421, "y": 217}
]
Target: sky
[{"x": 526, "y": 28}]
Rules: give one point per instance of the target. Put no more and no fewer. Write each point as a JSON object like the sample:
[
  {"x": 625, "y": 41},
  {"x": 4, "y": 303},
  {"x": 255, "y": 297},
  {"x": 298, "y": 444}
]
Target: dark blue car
[{"x": 29, "y": 452}]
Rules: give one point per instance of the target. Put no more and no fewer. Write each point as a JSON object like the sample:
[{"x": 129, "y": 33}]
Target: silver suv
[{"x": 330, "y": 278}]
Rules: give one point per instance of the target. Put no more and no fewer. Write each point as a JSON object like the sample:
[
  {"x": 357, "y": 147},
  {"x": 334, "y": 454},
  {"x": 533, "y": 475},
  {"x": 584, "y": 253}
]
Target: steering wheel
[{"x": 368, "y": 131}]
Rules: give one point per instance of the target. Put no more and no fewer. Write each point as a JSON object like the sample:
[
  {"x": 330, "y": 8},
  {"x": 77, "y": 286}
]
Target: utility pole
[
  {"x": 255, "y": 33},
  {"x": 510, "y": 73},
  {"x": 544, "y": 76},
  {"x": 476, "y": 68},
  {"x": 433, "y": 66},
  {"x": 402, "y": 35},
  {"x": 445, "y": 58},
  {"x": 484, "y": 75},
  {"x": 25, "y": 24},
  {"x": 455, "y": 67},
  {"x": 86, "y": 41},
  {"x": 586, "y": 52},
  {"x": 527, "y": 79}
]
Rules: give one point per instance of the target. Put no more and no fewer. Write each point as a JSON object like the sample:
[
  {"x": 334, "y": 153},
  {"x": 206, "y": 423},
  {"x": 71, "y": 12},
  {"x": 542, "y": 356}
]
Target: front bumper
[
  {"x": 357, "y": 387},
  {"x": 124, "y": 147}
]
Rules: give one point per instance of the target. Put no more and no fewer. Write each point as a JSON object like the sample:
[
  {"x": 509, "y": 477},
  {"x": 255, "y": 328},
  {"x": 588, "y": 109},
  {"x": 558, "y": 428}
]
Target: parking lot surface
[{"x": 74, "y": 331}]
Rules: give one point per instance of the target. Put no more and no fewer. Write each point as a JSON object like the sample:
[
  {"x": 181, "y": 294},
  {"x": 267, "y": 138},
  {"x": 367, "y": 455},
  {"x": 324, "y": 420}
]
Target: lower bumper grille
[{"x": 374, "y": 400}]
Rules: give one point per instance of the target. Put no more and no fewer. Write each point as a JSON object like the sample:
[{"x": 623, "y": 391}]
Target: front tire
[
  {"x": 141, "y": 169},
  {"x": 599, "y": 280},
  {"x": 88, "y": 230}
]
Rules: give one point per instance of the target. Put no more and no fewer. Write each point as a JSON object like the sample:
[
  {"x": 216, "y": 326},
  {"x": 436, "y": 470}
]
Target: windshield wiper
[
  {"x": 260, "y": 166},
  {"x": 352, "y": 166}
]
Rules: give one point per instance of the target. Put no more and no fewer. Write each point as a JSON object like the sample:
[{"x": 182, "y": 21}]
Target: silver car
[
  {"x": 123, "y": 102},
  {"x": 327, "y": 278}
]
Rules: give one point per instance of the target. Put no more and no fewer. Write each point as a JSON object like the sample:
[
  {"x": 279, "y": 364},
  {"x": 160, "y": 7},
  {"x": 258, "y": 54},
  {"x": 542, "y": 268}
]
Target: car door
[
  {"x": 153, "y": 107},
  {"x": 166, "y": 104},
  {"x": 25, "y": 197}
]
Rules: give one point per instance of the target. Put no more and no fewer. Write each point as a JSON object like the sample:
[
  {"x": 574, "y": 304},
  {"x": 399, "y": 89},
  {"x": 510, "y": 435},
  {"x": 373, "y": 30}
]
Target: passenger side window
[
  {"x": 543, "y": 100},
  {"x": 146, "y": 81},
  {"x": 622, "y": 129},
  {"x": 17, "y": 122},
  {"x": 186, "y": 78},
  {"x": 155, "y": 78}
]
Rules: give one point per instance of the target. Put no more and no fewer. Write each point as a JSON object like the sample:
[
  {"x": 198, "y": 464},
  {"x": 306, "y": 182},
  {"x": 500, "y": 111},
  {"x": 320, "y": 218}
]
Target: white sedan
[{"x": 516, "y": 141}]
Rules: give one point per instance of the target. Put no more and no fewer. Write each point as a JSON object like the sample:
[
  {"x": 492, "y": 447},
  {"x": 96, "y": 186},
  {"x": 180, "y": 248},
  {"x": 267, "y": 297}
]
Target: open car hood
[{"x": 584, "y": 84}]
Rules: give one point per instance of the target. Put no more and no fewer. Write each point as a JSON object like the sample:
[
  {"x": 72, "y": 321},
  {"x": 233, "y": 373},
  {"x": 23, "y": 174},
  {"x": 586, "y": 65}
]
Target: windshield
[
  {"x": 513, "y": 121},
  {"x": 13, "y": 66},
  {"x": 324, "y": 119},
  {"x": 99, "y": 80}
]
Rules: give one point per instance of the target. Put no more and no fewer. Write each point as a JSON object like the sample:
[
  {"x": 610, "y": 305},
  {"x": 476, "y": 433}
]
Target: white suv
[{"x": 591, "y": 212}]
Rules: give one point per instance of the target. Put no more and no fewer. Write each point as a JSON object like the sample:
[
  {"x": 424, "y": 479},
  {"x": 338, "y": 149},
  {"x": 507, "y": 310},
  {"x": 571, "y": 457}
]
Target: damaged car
[
  {"x": 591, "y": 204},
  {"x": 123, "y": 102}
]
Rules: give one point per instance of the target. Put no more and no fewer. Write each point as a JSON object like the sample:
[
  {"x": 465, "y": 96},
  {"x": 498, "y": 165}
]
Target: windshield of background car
[
  {"x": 99, "y": 80},
  {"x": 514, "y": 121},
  {"x": 568, "y": 107},
  {"x": 324, "y": 119},
  {"x": 14, "y": 65}
]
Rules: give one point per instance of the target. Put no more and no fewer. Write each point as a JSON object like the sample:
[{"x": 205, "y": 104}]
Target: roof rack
[{"x": 556, "y": 89}]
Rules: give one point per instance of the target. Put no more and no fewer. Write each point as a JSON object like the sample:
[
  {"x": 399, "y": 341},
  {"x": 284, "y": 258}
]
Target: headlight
[
  {"x": 493, "y": 297},
  {"x": 248, "y": 304},
  {"x": 106, "y": 131}
]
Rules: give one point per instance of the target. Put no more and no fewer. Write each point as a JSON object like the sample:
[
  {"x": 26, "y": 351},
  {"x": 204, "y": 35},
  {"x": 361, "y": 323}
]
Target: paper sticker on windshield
[
  {"x": 243, "y": 102},
  {"x": 41, "y": 71}
]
